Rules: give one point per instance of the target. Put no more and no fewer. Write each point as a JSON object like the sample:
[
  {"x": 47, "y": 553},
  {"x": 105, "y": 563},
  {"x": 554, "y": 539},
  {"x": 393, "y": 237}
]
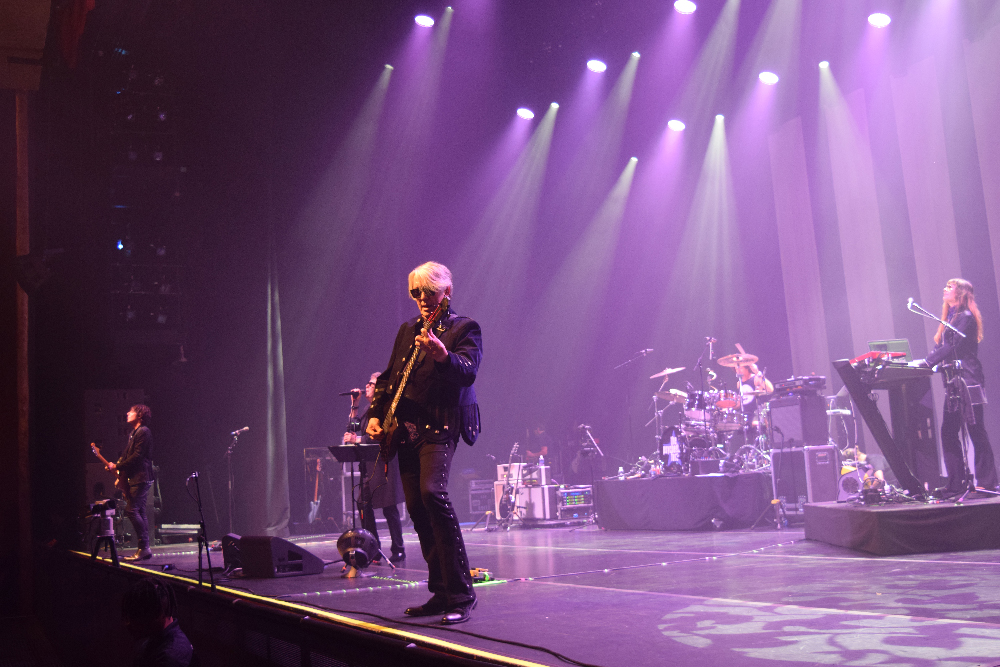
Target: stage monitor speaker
[
  {"x": 264, "y": 556},
  {"x": 805, "y": 475},
  {"x": 231, "y": 553},
  {"x": 798, "y": 421}
]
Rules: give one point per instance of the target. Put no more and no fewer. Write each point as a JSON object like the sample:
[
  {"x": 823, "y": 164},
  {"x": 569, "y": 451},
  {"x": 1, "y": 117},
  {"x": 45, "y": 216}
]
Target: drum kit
[{"x": 710, "y": 423}]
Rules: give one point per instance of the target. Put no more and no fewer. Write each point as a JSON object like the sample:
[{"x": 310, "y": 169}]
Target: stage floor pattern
[{"x": 748, "y": 598}]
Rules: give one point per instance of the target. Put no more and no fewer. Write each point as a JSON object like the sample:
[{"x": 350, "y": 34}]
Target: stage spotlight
[
  {"x": 635, "y": 54},
  {"x": 824, "y": 64},
  {"x": 685, "y": 6},
  {"x": 768, "y": 78},
  {"x": 424, "y": 21},
  {"x": 525, "y": 113},
  {"x": 676, "y": 125},
  {"x": 879, "y": 20},
  {"x": 388, "y": 66},
  {"x": 633, "y": 159},
  {"x": 554, "y": 105},
  {"x": 596, "y": 66},
  {"x": 719, "y": 116}
]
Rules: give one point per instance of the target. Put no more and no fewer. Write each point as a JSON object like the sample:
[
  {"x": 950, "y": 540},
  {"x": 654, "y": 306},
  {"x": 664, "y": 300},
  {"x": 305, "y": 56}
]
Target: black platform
[
  {"x": 906, "y": 529},
  {"x": 704, "y": 502}
]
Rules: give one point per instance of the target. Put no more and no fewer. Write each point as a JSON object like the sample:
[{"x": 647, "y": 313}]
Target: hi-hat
[
  {"x": 667, "y": 371},
  {"x": 734, "y": 360}
]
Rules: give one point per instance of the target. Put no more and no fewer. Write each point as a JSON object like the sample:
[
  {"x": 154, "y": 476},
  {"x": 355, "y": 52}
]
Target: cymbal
[
  {"x": 734, "y": 360},
  {"x": 674, "y": 395},
  {"x": 667, "y": 371}
]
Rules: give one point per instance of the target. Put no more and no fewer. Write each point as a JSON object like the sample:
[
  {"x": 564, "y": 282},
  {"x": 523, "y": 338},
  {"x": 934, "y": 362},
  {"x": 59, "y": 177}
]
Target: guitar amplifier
[
  {"x": 805, "y": 475},
  {"x": 480, "y": 497},
  {"x": 532, "y": 503}
]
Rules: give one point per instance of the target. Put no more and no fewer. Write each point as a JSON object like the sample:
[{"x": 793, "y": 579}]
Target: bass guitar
[
  {"x": 120, "y": 483},
  {"x": 390, "y": 426}
]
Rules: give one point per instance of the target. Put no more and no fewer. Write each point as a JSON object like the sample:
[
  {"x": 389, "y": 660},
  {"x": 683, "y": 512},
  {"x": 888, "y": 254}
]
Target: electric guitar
[
  {"x": 507, "y": 500},
  {"x": 120, "y": 483},
  {"x": 390, "y": 426},
  {"x": 314, "y": 503}
]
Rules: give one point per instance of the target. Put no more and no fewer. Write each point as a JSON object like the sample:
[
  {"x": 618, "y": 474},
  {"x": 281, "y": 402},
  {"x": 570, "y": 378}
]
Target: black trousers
[
  {"x": 135, "y": 510},
  {"x": 951, "y": 446},
  {"x": 424, "y": 467},
  {"x": 392, "y": 520}
]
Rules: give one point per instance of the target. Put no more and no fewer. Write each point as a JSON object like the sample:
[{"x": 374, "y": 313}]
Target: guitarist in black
[
  {"x": 436, "y": 408},
  {"x": 136, "y": 467}
]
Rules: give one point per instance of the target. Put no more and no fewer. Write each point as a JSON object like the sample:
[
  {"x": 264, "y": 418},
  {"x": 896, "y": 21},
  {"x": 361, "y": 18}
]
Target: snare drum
[{"x": 729, "y": 420}]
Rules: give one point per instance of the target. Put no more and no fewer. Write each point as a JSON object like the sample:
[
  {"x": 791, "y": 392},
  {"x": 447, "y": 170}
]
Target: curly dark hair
[
  {"x": 143, "y": 412},
  {"x": 148, "y": 599}
]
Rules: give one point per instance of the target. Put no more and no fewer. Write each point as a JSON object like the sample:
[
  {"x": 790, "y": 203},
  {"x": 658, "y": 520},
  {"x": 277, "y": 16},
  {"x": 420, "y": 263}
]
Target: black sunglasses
[{"x": 426, "y": 291}]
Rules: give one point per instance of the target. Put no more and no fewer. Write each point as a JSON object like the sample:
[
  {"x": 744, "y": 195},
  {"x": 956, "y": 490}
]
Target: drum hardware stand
[
  {"x": 590, "y": 449},
  {"x": 959, "y": 397}
]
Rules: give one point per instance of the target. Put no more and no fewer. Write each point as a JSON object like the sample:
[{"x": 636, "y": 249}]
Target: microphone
[
  {"x": 583, "y": 427},
  {"x": 354, "y": 392},
  {"x": 240, "y": 431},
  {"x": 909, "y": 302},
  {"x": 645, "y": 352},
  {"x": 193, "y": 475},
  {"x": 710, "y": 341}
]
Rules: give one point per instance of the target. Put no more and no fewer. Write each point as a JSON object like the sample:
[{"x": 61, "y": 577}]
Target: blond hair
[{"x": 430, "y": 274}]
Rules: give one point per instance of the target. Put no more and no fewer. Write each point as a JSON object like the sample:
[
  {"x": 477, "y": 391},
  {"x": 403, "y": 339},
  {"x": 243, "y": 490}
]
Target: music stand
[{"x": 361, "y": 453}]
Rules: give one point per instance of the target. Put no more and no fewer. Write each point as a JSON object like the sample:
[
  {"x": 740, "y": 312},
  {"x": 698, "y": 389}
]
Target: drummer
[{"x": 753, "y": 383}]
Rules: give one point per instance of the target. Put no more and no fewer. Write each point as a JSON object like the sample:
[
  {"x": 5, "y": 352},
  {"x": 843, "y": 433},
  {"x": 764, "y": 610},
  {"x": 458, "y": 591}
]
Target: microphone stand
[
  {"x": 628, "y": 393},
  {"x": 229, "y": 470},
  {"x": 202, "y": 534},
  {"x": 917, "y": 309}
]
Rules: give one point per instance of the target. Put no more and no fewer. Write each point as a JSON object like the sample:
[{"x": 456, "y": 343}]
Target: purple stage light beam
[
  {"x": 676, "y": 125},
  {"x": 525, "y": 113},
  {"x": 424, "y": 21},
  {"x": 595, "y": 65}
]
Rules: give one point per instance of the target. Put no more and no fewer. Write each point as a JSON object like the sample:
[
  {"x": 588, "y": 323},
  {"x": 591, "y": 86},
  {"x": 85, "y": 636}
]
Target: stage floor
[{"x": 724, "y": 598}]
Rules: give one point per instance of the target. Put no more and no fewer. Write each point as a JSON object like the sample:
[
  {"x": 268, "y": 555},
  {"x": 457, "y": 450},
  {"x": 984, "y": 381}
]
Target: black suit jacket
[
  {"x": 136, "y": 462},
  {"x": 439, "y": 396},
  {"x": 953, "y": 347}
]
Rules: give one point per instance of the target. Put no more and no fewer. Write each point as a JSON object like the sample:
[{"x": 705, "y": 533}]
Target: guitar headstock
[
  {"x": 94, "y": 448},
  {"x": 438, "y": 313}
]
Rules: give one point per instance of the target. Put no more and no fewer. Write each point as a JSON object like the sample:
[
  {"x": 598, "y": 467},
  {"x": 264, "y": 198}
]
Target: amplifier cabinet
[
  {"x": 798, "y": 421},
  {"x": 803, "y": 475},
  {"x": 480, "y": 497},
  {"x": 532, "y": 503}
]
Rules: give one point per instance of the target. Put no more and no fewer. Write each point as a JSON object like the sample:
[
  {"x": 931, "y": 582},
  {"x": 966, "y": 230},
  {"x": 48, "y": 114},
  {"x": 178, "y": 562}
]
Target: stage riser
[{"x": 908, "y": 529}]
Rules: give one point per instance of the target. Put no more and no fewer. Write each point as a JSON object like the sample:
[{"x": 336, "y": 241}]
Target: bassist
[{"x": 436, "y": 407}]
